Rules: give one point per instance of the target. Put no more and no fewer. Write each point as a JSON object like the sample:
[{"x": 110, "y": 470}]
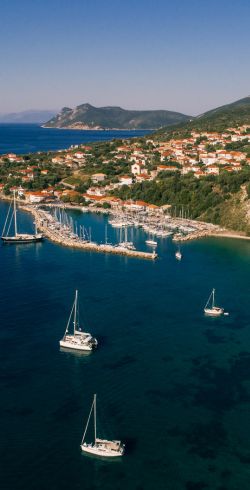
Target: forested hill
[
  {"x": 86, "y": 116},
  {"x": 219, "y": 119}
]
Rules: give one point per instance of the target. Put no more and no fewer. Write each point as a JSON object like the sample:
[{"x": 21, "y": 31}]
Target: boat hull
[
  {"x": 213, "y": 312},
  {"x": 152, "y": 243},
  {"x": 104, "y": 453},
  {"x": 78, "y": 347},
  {"x": 22, "y": 239}
]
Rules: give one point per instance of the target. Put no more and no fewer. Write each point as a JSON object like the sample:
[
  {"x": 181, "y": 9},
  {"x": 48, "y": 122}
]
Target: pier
[{"x": 63, "y": 235}]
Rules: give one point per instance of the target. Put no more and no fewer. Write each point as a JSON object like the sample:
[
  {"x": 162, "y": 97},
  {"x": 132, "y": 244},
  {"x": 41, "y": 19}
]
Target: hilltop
[{"x": 86, "y": 116}]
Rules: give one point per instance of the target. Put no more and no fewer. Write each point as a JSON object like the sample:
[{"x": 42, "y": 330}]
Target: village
[{"x": 92, "y": 175}]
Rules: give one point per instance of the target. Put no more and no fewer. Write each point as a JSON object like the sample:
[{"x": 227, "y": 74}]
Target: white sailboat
[
  {"x": 78, "y": 340},
  {"x": 126, "y": 243},
  {"x": 17, "y": 237},
  {"x": 210, "y": 308},
  {"x": 151, "y": 241},
  {"x": 100, "y": 447},
  {"x": 178, "y": 254}
]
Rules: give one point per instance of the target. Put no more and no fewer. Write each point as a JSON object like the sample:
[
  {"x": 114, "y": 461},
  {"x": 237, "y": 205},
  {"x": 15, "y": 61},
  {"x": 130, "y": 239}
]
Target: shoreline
[
  {"x": 231, "y": 234},
  {"x": 100, "y": 129},
  {"x": 42, "y": 223},
  {"x": 221, "y": 233}
]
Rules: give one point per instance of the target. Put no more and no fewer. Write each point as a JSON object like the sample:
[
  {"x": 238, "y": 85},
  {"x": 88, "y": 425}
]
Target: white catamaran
[
  {"x": 210, "y": 308},
  {"x": 78, "y": 340},
  {"x": 101, "y": 447},
  {"x": 17, "y": 237}
]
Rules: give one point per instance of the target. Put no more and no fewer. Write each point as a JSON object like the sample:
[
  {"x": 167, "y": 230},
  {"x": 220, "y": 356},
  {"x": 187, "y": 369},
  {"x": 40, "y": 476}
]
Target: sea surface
[
  {"x": 171, "y": 383},
  {"x": 28, "y": 138}
]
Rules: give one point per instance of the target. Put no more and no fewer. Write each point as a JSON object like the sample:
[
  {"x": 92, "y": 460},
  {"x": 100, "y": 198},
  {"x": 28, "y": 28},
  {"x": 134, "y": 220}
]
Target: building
[
  {"x": 137, "y": 168},
  {"x": 125, "y": 180},
  {"x": 98, "y": 177}
]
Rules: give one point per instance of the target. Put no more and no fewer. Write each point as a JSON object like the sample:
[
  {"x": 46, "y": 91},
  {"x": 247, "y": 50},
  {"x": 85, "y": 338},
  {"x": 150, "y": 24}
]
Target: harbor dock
[{"x": 63, "y": 235}]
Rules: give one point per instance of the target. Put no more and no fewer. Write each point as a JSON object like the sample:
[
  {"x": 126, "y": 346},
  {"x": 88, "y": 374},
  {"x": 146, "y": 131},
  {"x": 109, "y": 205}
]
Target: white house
[
  {"x": 137, "y": 168},
  {"x": 125, "y": 180}
]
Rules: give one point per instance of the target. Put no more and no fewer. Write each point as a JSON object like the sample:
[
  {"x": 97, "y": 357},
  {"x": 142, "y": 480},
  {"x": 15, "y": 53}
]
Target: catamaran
[
  {"x": 100, "y": 447},
  {"x": 17, "y": 237},
  {"x": 210, "y": 308},
  {"x": 78, "y": 340}
]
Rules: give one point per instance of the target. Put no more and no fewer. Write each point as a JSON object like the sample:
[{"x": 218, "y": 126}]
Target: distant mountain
[
  {"x": 86, "y": 116},
  {"x": 32, "y": 116},
  {"x": 229, "y": 115}
]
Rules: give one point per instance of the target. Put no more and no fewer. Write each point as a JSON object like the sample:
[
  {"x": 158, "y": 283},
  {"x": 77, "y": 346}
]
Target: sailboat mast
[
  {"x": 213, "y": 298},
  {"x": 76, "y": 298},
  {"x": 86, "y": 428},
  {"x": 95, "y": 416},
  {"x": 15, "y": 222}
]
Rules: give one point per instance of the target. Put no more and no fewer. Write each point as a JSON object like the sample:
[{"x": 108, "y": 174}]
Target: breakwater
[{"x": 64, "y": 236}]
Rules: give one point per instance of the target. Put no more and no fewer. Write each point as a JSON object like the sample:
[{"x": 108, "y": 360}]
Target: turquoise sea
[
  {"x": 28, "y": 138},
  {"x": 172, "y": 384}
]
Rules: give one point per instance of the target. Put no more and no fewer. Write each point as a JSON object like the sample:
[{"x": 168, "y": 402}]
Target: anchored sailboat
[
  {"x": 101, "y": 447},
  {"x": 17, "y": 237},
  {"x": 210, "y": 308},
  {"x": 178, "y": 254},
  {"x": 78, "y": 340}
]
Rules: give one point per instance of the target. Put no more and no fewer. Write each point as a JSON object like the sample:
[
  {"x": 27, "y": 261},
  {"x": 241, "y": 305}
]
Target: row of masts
[{"x": 66, "y": 222}]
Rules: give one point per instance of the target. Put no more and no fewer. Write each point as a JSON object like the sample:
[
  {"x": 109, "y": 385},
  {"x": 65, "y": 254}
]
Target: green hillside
[{"x": 219, "y": 119}]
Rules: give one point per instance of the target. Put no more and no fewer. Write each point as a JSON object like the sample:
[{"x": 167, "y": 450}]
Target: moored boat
[
  {"x": 152, "y": 243},
  {"x": 100, "y": 447},
  {"x": 78, "y": 340},
  {"x": 17, "y": 237},
  {"x": 210, "y": 308},
  {"x": 178, "y": 254}
]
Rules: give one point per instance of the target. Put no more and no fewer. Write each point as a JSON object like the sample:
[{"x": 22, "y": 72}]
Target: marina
[
  {"x": 63, "y": 234},
  {"x": 53, "y": 222}
]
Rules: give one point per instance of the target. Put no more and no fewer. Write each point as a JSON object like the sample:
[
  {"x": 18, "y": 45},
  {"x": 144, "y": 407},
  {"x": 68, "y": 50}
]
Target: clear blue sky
[{"x": 183, "y": 55}]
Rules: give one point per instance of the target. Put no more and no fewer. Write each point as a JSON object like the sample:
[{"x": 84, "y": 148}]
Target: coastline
[
  {"x": 42, "y": 223},
  {"x": 231, "y": 234},
  {"x": 99, "y": 129},
  {"x": 220, "y": 233}
]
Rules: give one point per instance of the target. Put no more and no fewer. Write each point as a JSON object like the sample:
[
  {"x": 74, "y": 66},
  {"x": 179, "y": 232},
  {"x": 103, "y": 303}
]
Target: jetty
[{"x": 63, "y": 235}]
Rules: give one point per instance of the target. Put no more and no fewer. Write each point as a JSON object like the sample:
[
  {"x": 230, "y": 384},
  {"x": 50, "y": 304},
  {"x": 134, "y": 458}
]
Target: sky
[{"x": 183, "y": 55}]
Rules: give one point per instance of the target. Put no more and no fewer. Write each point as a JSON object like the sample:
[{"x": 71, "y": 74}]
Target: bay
[
  {"x": 29, "y": 138},
  {"x": 172, "y": 384}
]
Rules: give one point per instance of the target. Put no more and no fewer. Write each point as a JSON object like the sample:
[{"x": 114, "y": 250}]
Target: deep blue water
[
  {"x": 27, "y": 138},
  {"x": 174, "y": 385}
]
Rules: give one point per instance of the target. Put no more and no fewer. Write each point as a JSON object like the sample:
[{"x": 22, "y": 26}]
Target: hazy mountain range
[
  {"x": 86, "y": 116},
  {"x": 32, "y": 116}
]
